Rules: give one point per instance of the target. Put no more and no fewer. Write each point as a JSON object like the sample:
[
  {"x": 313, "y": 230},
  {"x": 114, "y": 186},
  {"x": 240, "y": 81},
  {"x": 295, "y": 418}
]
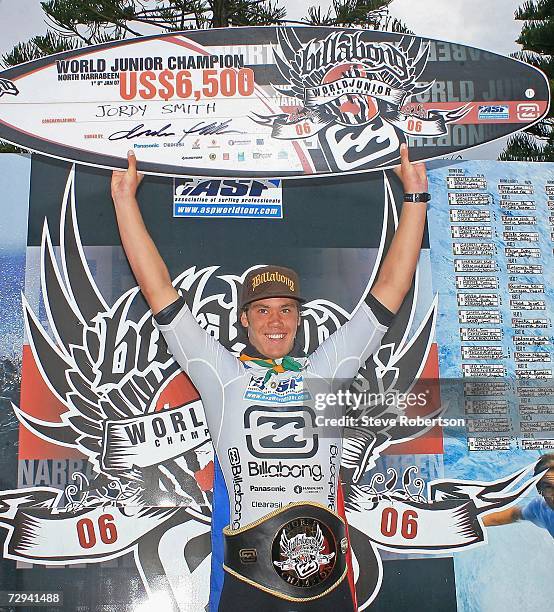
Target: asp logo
[
  {"x": 211, "y": 188},
  {"x": 233, "y": 198},
  {"x": 280, "y": 433},
  {"x": 282, "y": 390},
  {"x": 493, "y": 112}
]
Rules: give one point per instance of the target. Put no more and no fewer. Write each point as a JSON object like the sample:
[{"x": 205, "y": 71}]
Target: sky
[{"x": 487, "y": 24}]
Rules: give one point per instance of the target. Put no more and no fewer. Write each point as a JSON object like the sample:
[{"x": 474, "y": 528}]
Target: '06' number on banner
[
  {"x": 87, "y": 533},
  {"x": 408, "y": 523}
]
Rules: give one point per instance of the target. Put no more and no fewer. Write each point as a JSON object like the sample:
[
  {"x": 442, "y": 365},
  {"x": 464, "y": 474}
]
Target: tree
[
  {"x": 371, "y": 14},
  {"x": 74, "y": 23},
  {"x": 537, "y": 39}
]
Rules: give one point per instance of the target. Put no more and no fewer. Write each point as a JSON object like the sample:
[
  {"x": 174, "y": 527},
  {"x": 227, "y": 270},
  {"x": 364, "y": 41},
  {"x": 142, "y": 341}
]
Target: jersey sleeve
[
  {"x": 344, "y": 352},
  {"x": 531, "y": 512},
  {"x": 206, "y": 362}
]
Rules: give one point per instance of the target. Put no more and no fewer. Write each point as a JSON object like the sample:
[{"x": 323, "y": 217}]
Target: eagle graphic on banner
[{"x": 355, "y": 94}]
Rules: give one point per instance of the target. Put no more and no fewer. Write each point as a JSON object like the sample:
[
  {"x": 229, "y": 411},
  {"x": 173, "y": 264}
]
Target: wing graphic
[
  {"x": 107, "y": 368},
  {"x": 416, "y": 54},
  {"x": 290, "y": 65}
]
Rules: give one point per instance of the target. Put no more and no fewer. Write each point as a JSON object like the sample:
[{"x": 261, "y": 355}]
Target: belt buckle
[{"x": 304, "y": 552}]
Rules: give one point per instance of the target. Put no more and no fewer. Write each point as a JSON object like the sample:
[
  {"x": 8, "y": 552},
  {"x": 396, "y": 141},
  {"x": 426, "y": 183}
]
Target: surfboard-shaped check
[{"x": 267, "y": 101}]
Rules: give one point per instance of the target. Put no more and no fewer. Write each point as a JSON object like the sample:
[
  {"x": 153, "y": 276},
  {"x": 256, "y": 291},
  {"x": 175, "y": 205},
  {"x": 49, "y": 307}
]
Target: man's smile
[{"x": 276, "y": 336}]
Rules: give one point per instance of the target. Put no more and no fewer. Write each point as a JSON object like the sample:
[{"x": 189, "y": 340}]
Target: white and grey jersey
[{"x": 265, "y": 433}]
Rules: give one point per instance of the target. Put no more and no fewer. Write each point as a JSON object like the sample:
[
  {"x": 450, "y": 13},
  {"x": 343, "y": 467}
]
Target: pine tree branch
[
  {"x": 523, "y": 147},
  {"x": 529, "y": 11}
]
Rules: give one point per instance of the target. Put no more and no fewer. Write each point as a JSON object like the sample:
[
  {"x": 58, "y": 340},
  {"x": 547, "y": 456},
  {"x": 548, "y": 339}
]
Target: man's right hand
[
  {"x": 143, "y": 256},
  {"x": 125, "y": 183}
]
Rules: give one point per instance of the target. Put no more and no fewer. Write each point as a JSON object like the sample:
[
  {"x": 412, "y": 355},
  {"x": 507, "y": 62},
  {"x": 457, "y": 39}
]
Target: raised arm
[
  {"x": 398, "y": 268},
  {"x": 503, "y": 517},
  {"x": 193, "y": 348},
  {"x": 145, "y": 261},
  {"x": 342, "y": 354}
]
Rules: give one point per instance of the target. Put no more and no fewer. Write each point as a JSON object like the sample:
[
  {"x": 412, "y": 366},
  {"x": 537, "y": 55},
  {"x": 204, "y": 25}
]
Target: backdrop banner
[{"x": 108, "y": 470}]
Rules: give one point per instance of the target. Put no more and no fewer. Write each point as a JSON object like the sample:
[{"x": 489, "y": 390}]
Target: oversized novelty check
[{"x": 267, "y": 101}]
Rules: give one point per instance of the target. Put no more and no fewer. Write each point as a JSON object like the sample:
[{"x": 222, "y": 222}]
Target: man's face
[
  {"x": 547, "y": 488},
  {"x": 271, "y": 325}
]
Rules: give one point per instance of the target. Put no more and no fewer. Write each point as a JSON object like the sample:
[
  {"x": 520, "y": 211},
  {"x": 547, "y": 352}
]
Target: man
[
  {"x": 278, "y": 555},
  {"x": 539, "y": 510}
]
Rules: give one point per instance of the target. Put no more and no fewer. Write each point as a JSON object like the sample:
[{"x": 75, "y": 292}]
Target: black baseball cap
[{"x": 270, "y": 282}]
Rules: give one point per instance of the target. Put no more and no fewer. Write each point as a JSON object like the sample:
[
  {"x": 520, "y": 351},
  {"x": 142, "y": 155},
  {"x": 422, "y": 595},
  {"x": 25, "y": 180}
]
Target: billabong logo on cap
[
  {"x": 272, "y": 277},
  {"x": 270, "y": 281}
]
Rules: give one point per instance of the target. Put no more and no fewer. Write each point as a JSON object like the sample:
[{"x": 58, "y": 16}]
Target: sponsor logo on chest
[{"x": 281, "y": 389}]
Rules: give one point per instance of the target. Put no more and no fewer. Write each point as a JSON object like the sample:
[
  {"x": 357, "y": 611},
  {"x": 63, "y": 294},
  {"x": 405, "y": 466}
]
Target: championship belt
[{"x": 297, "y": 553}]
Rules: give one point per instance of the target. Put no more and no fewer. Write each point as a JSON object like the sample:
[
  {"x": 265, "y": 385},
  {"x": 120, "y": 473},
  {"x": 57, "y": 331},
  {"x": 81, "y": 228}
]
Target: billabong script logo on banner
[
  {"x": 350, "y": 92},
  {"x": 108, "y": 367}
]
